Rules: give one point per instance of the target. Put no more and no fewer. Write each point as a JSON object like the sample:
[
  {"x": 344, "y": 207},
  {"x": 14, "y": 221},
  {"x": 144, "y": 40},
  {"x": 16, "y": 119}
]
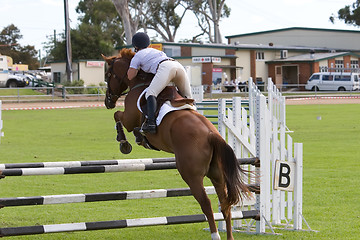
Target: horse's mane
[{"x": 126, "y": 53}]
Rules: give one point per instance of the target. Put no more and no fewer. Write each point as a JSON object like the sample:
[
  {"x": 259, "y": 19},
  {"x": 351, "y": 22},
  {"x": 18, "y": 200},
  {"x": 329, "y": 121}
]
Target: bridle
[{"x": 110, "y": 97}]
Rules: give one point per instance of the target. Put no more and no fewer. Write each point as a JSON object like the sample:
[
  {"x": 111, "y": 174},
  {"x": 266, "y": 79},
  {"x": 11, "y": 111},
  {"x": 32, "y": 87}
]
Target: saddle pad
[{"x": 165, "y": 108}]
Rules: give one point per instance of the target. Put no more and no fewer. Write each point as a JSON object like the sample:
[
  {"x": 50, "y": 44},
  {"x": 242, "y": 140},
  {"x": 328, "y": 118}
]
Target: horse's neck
[
  {"x": 141, "y": 80},
  {"x": 136, "y": 83}
]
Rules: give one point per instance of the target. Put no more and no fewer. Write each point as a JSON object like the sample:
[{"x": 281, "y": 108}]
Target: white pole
[{"x": 298, "y": 152}]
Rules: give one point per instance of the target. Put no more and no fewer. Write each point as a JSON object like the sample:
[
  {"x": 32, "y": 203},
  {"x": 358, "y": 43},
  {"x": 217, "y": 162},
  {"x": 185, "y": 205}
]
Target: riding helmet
[{"x": 140, "y": 40}]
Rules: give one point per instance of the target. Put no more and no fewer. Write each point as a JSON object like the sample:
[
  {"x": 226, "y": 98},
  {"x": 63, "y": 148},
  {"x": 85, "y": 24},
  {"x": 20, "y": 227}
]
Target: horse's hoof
[{"x": 125, "y": 147}]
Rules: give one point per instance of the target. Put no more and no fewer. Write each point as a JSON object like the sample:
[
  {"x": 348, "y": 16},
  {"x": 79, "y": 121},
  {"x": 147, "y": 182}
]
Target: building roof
[
  {"x": 315, "y": 57},
  {"x": 277, "y": 47},
  {"x": 293, "y": 28},
  {"x": 236, "y": 46}
]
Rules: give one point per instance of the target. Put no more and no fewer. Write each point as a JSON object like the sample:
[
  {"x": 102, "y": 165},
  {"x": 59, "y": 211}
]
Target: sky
[{"x": 37, "y": 19}]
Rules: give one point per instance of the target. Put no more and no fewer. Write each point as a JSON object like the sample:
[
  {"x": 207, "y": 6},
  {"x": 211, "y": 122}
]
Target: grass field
[{"x": 331, "y": 175}]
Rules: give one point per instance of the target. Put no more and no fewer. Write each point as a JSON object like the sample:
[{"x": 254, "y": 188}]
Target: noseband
[{"x": 109, "y": 74}]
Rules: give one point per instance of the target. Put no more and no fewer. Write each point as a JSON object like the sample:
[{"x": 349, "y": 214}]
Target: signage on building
[
  {"x": 216, "y": 59},
  {"x": 157, "y": 46},
  {"x": 95, "y": 63},
  {"x": 206, "y": 59},
  {"x": 217, "y": 70}
]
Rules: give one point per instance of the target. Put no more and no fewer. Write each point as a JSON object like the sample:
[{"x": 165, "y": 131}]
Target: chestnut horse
[{"x": 198, "y": 147}]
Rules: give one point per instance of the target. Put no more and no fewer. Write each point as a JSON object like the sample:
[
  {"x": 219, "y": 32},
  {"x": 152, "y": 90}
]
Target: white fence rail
[{"x": 50, "y": 94}]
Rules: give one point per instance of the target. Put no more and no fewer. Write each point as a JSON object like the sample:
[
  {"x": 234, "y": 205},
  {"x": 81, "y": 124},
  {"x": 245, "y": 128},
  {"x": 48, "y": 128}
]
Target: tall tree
[
  {"x": 209, "y": 14},
  {"x": 10, "y": 46},
  {"x": 100, "y": 31},
  {"x": 165, "y": 16},
  {"x": 165, "y": 20},
  {"x": 102, "y": 13},
  {"x": 350, "y": 14},
  {"x": 88, "y": 42},
  {"x": 130, "y": 24},
  {"x": 158, "y": 15}
]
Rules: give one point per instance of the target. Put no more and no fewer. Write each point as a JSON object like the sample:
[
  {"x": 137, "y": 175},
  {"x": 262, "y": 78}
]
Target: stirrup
[{"x": 148, "y": 127}]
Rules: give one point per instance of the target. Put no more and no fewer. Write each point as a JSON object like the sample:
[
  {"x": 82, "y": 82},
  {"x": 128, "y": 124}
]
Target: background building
[
  {"x": 305, "y": 37},
  {"x": 92, "y": 72}
]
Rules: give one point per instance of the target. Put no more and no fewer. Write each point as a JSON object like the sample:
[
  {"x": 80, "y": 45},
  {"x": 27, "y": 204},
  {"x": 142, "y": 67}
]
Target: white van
[{"x": 333, "y": 81}]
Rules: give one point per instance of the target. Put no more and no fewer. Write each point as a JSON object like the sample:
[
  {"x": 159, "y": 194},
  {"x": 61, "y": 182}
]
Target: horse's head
[{"x": 116, "y": 76}]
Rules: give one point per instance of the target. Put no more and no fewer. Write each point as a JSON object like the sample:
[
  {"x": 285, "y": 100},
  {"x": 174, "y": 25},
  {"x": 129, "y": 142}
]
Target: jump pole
[
  {"x": 106, "y": 196},
  {"x": 68, "y": 164},
  {"x": 88, "y": 169},
  {"x": 117, "y": 224},
  {"x": 85, "y": 163},
  {"x": 132, "y": 167}
]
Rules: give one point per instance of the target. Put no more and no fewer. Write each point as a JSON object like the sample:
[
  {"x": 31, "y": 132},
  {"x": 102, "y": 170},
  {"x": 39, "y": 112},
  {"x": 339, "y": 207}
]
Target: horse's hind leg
[
  {"x": 225, "y": 209},
  {"x": 219, "y": 184},
  {"x": 198, "y": 191}
]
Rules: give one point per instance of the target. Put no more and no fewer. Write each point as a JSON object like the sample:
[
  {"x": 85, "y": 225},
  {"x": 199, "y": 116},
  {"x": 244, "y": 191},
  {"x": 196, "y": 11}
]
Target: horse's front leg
[{"x": 125, "y": 146}]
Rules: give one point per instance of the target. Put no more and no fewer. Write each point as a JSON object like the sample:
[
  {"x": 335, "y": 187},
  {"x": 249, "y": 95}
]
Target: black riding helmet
[{"x": 140, "y": 40}]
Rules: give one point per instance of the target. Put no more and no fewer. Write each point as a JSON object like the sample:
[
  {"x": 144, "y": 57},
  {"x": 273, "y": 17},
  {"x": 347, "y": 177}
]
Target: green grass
[
  {"x": 331, "y": 167},
  {"x": 15, "y": 92},
  {"x": 331, "y": 180}
]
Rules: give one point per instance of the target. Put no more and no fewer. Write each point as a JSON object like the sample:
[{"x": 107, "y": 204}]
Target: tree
[
  {"x": 130, "y": 23},
  {"x": 99, "y": 32},
  {"x": 87, "y": 41},
  {"x": 158, "y": 15},
  {"x": 350, "y": 14},
  {"x": 209, "y": 13},
  {"x": 165, "y": 20},
  {"x": 165, "y": 16},
  {"x": 9, "y": 46},
  {"x": 103, "y": 14}
]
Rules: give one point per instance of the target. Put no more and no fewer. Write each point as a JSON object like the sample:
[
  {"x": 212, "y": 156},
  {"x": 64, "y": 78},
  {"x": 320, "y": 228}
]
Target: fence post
[
  {"x": 18, "y": 94},
  {"x": 63, "y": 93},
  {"x": 1, "y": 122},
  {"x": 298, "y": 152},
  {"x": 53, "y": 93}
]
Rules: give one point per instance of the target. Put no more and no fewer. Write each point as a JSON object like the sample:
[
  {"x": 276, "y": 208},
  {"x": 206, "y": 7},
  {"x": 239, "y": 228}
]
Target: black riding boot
[{"x": 149, "y": 126}]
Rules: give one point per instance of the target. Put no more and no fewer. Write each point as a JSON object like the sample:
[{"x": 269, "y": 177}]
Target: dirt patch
[
  {"x": 323, "y": 100},
  {"x": 49, "y": 105}
]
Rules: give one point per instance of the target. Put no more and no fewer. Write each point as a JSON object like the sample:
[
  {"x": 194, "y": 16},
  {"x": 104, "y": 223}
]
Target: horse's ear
[{"x": 107, "y": 59}]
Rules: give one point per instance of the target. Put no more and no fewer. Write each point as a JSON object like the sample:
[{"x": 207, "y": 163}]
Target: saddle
[{"x": 170, "y": 94}]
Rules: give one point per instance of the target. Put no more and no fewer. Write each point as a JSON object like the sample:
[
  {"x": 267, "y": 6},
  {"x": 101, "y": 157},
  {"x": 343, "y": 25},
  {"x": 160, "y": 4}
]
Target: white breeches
[{"x": 170, "y": 71}]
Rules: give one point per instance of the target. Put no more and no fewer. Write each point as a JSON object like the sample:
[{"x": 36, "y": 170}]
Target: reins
[{"x": 108, "y": 75}]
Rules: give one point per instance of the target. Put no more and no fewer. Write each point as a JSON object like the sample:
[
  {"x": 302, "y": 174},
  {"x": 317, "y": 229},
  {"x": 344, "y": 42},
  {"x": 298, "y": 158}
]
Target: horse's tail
[{"x": 231, "y": 170}]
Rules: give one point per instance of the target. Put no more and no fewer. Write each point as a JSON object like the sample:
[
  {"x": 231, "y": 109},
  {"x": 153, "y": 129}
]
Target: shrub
[
  {"x": 75, "y": 83},
  {"x": 93, "y": 89}
]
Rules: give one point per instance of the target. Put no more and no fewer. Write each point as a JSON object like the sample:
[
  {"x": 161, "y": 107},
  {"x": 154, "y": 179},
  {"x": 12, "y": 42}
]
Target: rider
[{"x": 166, "y": 70}]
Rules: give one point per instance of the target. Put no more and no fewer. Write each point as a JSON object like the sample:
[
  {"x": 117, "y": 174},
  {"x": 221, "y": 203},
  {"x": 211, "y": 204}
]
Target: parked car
[
  {"x": 333, "y": 81},
  {"x": 38, "y": 82},
  {"x": 13, "y": 81}
]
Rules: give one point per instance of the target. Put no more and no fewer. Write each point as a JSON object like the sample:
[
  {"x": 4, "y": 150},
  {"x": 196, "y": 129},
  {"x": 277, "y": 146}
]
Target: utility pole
[
  {"x": 54, "y": 38},
  {"x": 39, "y": 57},
  {"x": 68, "y": 42}
]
